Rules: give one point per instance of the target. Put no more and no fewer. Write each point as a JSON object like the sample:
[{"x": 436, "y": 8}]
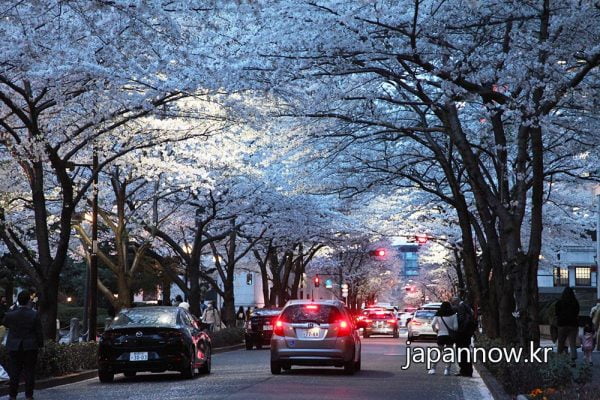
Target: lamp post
[{"x": 93, "y": 292}]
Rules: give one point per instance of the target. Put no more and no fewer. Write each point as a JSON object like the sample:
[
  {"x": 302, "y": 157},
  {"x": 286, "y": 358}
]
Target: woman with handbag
[{"x": 445, "y": 324}]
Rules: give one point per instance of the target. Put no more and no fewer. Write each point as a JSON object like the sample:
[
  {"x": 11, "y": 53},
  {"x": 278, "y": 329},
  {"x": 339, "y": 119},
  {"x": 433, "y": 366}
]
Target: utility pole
[{"x": 93, "y": 292}]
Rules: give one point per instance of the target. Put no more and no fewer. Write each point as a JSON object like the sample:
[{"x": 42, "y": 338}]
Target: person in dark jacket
[
  {"x": 24, "y": 339},
  {"x": 464, "y": 334},
  {"x": 567, "y": 315}
]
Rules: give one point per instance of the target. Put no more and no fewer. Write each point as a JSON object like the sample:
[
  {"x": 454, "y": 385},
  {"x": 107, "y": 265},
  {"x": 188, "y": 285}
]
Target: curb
[
  {"x": 492, "y": 383},
  {"x": 57, "y": 381},
  {"x": 85, "y": 375}
]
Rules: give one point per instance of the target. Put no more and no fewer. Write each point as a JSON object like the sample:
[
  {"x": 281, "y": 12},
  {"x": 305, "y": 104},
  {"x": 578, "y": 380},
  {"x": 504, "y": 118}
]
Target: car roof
[
  {"x": 152, "y": 308},
  {"x": 335, "y": 303}
]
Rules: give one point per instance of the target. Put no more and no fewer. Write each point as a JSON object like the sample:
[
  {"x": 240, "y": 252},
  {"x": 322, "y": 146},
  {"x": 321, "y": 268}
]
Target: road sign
[
  {"x": 344, "y": 290},
  {"x": 328, "y": 283}
]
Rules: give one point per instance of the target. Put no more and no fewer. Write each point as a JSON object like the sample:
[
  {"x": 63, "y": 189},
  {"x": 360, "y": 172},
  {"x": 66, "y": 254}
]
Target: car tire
[
  {"x": 350, "y": 367},
  {"x": 206, "y": 367},
  {"x": 129, "y": 374},
  {"x": 105, "y": 376},
  {"x": 396, "y": 334},
  {"x": 275, "y": 367},
  {"x": 188, "y": 371},
  {"x": 286, "y": 367},
  {"x": 249, "y": 344},
  {"x": 357, "y": 365},
  {"x": 259, "y": 346}
]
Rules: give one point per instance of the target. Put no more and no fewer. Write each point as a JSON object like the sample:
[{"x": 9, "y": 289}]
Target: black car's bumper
[{"x": 263, "y": 337}]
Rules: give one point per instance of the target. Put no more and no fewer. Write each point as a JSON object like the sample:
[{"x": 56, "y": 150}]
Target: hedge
[
  {"x": 227, "y": 337},
  {"x": 556, "y": 375},
  {"x": 60, "y": 359}
]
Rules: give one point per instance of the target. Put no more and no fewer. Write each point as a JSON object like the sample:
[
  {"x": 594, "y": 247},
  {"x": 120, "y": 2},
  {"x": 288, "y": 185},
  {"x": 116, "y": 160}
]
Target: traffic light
[
  {"x": 380, "y": 252},
  {"x": 421, "y": 239},
  {"x": 317, "y": 281},
  {"x": 248, "y": 279}
]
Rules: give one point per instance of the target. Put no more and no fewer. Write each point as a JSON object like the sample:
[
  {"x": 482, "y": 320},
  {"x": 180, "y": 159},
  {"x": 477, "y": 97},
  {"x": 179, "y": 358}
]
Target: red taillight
[
  {"x": 344, "y": 328},
  {"x": 368, "y": 321},
  {"x": 391, "y": 321},
  {"x": 416, "y": 323},
  {"x": 278, "y": 330}
]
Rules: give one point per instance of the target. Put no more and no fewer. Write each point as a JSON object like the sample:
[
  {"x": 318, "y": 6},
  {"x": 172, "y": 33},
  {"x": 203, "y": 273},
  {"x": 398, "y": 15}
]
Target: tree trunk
[
  {"x": 228, "y": 304},
  {"x": 48, "y": 307}
]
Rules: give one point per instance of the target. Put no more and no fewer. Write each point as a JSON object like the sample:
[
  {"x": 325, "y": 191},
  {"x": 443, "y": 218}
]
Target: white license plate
[
  {"x": 312, "y": 333},
  {"x": 267, "y": 327},
  {"x": 138, "y": 356}
]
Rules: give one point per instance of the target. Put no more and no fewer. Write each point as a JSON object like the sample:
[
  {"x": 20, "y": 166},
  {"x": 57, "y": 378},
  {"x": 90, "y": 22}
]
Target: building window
[
  {"x": 583, "y": 276},
  {"x": 561, "y": 276}
]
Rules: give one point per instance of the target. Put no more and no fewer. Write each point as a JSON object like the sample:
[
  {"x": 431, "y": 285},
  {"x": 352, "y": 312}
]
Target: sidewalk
[{"x": 595, "y": 359}]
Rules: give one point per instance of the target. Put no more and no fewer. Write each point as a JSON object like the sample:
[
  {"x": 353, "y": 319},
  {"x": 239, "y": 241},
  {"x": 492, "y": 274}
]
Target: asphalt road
[{"x": 245, "y": 375}]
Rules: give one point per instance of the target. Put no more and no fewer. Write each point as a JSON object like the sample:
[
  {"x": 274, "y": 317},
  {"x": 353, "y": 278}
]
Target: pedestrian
[
  {"x": 466, "y": 328},
  {"x": 24, "y": 339},
  {"x": 595, "y": 316},
  {"x": 185, "y": 305},
  {"x": 249, "y": 311},
  {"x": 241, "y": 317},
  {"x": 209, "y": 316},
  {"x": 178, "y": 299},
  {"x": 202, "y": 307},
  {"x": 445, "y": 324},
  {"x": 567, "y": 315},
  {"x": 588, "y": 341}
]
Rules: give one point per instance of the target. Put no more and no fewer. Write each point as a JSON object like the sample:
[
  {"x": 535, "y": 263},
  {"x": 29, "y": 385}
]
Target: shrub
[
  {"x": 60, "y": 359},
  {"x": 227, "y": 337},
  {"x": 521, "y": 377}
]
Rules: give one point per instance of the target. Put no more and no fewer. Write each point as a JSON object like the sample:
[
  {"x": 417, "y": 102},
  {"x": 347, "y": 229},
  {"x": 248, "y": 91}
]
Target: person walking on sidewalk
[
  {"x": 588, "y": 341},
  {"x": 24, "y": 339},
  {"x": 210, "y": 317},
  {"x": 445, "y": 324},
  {"x": 464, "y": 334},
  {"x": 595, "y": 316},
  {"x": 567, "y": 316}
]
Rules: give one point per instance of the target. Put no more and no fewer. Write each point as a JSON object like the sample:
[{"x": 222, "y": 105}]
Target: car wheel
[
  {"x": 275, "y": 368},
  {"x": 188, "y": 371},
  {"x": 396, "y": 334},
  {"x": 249, "y": 344},
  {"x": 258, "y": 346},
  {"x": 286, "y": 367},
  {"x": 105, "y": 376},
  {"x": 205, "y": 369},
  {"x": 350, "y": 367},
  {"x": 129, "y": 374}
]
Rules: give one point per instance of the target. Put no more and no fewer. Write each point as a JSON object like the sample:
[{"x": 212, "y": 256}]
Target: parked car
[
  {"x": 154, "y": 339},
  {"x": 381, "y": 323},
  {"x": 316, "y": 333},
  {"x": 419, "y": 326},
  {"x": 259, "y": 328}
]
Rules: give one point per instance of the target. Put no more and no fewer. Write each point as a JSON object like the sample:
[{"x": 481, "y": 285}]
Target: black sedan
[
  {"x": 259, "y": 328},
  {"x": 154, "y": 339}
]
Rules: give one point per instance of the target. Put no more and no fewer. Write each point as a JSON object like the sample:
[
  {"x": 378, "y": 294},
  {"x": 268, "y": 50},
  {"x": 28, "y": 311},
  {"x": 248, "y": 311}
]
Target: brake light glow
[
  {"x": 312, "y": 307},
  {"x": 278, "y": 329},
  {"x": 344, "y": 328},
  {"x": 367, "y": 320},
  {"x": 391, "y": 321},
  {"x": 416, "y": 323}
]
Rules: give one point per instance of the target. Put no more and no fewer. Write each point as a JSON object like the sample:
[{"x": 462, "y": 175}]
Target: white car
[
  {"x": 403, "y": 318},
  {"x": 419, "y": 326}
]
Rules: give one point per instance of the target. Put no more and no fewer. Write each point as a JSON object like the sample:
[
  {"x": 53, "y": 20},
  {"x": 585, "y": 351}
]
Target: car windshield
[
  {"x": 425, "y": 314},
  {"x": 146, "y": 317},
  {"x": 317, "y": 313},
  {"x": 381, "y": 316}
]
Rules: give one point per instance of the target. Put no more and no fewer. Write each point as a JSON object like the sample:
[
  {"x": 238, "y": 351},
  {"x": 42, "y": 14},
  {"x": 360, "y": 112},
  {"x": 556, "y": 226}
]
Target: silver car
[
  {"x": 316, "y": 333},
  {"x": 420, "y": 325}
]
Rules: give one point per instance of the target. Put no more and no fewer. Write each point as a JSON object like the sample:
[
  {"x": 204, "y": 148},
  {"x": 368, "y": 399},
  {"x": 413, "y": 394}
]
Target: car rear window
[
  {"x": 425, "y": 314},
  {"x": 381, "y": 316},
  {"x": 317, "y": 313},
  {"x": 145, "y": 317}
]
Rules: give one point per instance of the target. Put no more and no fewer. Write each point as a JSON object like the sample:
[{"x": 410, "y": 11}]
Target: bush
[
  {"x": 66, "y": 312},
  {"x": 227, "y": 337},
  {"x": 61, "y": 359},
  {"x": 519, "y": 378}
]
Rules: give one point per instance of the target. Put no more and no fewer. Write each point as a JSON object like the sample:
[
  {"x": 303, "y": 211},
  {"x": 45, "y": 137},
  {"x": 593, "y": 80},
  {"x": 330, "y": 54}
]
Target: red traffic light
[
  {"x": 377, "y": 252},
  {"x": 316, "y": 281},
  {"x": 422, "y": 239}
]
